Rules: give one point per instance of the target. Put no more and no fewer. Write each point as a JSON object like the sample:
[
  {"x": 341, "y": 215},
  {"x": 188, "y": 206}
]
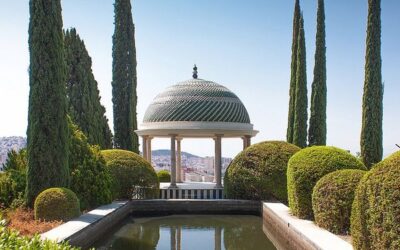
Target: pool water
[{"x": 181, "y": 232}]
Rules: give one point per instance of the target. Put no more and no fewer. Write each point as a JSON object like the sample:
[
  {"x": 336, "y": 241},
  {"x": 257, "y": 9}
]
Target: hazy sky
[{"x": 244, "y": 45}]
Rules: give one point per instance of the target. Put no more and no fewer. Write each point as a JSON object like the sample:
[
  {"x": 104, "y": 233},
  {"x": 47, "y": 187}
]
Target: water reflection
[{"x": 192, "y": 232}]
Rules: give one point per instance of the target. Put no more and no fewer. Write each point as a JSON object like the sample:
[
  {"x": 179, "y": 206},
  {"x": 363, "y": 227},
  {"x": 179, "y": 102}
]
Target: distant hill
[
  {"x": 8, "y": 143},
  {"x": 167, "y": 152}
]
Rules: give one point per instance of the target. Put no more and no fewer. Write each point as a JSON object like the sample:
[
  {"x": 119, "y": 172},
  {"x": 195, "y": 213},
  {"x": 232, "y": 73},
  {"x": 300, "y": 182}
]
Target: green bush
[
  {"x": 129, "y": 170},
  {"x": 375, "y": 217},
  {"x": 56, "y": 204},
  {"x": 259, "y": 172},
  {"x": 164, "y": 176},
  {"x": 332, "y": 198},
  {"x": 90, "y": 178},
  {"x": 10, "y": 239},
  {"x": 309, "y": 165},
  {"x": 13, "y": 179}
]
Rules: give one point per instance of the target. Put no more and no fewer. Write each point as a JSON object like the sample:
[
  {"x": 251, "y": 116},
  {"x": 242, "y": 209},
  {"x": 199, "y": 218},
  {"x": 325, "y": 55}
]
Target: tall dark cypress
[
  {"x": 317, "y": 129},
  {"x": 83, "y": 95},
  {"x": 293, "y": 68},
  {"x": 300, "y": 114},
  {"x": 124, "y": 79},
  {"x": 47, "y": 115},
  {"x": 371, "y": 132}
]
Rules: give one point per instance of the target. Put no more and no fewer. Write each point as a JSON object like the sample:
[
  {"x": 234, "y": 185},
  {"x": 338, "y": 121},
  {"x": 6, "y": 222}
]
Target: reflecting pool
[{"x": 181, "y": 232}]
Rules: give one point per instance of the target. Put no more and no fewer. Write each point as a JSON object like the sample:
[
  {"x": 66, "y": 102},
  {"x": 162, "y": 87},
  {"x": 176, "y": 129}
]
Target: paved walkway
[{"x": 190, "y": 185}]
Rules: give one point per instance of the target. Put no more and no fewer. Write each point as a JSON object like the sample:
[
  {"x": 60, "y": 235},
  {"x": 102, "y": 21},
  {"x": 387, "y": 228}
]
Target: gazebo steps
[{"x": 191, "y": 190}]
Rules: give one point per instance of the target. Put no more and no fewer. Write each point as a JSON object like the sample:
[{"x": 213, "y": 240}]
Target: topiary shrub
[
  {"x": 129, "y": 170},
  {"x": 333, "y": 197},
  {"x": 56, "y": 204},
  {"x": 90, "y": 178},
  {"x": 375, "y": 216},
  {"x": 259, "y": 172},
  {"x": 164, "y": 176},
  {"x": 309, "y": 165}
]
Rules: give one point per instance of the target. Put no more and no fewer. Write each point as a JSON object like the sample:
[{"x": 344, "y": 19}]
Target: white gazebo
[{"x": 195, "y": 108}]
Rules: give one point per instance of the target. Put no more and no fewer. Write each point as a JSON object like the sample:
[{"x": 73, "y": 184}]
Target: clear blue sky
[{"x": 244, "y": 45}]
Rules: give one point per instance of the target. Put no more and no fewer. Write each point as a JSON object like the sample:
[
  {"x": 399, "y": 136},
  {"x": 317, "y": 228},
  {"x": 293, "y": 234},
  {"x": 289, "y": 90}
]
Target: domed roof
[{"x": 197, "y": 100}]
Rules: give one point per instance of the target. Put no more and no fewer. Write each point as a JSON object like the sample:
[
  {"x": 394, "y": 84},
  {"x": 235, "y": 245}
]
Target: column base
[
  {"x": 173, "y": 185},
  {"x": 218, "y": 186}
]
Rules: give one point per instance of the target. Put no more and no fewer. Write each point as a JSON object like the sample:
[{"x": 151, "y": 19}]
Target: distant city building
[
  {"x": 9, "y": 143},
  {"x": 194, "y": 168}
]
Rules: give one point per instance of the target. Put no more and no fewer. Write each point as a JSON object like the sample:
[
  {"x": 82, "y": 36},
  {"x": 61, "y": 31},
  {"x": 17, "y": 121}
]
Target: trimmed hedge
[
  {"x": 56, "y": 204},
  {"x": 375, "y": 217},
  {"x": 129, "y": 170},
  {"x": 164, "y": 176},
  {"x": 259, "y": 172},
  {"x": 332, "y": 198},
  {"x": 309, "y": 165}
]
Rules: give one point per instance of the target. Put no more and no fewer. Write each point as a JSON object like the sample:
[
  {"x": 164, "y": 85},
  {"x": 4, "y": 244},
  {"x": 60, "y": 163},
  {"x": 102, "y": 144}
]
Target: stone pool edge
[
  {"x": 87, "y": 229},
  {"x": 290, "y": 232}
]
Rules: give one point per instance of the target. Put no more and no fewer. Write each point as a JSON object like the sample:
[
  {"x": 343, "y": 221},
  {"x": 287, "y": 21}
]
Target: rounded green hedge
[
  {"x": 309, "y": 165},
  {"x": 375, "y": 217},
  {"x": 56, "y": 204},
  {"x": 129, "y": 170},
  {"x": 164, "y": 176},
  {"x": 332, "y": 198},
  {"x": 259, "y": 172}
]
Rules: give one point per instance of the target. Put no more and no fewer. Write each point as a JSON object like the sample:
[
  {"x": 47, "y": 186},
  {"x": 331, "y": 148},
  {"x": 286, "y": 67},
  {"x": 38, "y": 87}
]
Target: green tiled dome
[{"x": 197, "y": 100}]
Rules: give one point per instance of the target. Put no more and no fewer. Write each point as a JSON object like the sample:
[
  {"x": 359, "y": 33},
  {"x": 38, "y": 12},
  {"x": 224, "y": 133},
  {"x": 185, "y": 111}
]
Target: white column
[
  {"x": 246, "y": 141},
  {"x": 173, "y": 162},
  {"x": 217, "y": 161},
  {"x": 149, "y": 149},
  {"x": 144, "y": 146},
  {"x": 178, "y": 160}
]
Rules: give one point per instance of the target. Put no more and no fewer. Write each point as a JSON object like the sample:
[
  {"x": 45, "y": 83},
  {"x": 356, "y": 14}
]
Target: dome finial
[{"x": 195, "y": 72}]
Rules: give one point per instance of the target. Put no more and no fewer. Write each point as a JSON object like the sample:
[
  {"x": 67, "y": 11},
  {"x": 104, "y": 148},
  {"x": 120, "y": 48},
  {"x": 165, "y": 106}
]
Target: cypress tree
[
  {"x": 293, "y": 67},
  {"x": 83, "y": 96},
  {"x": 371, "y": 132},
  {"x": 300, "y": 114},
  {"x": 124, "y": 78},
  {"x": 317, "y": 129},
  {"x": 47, "y": 115}
]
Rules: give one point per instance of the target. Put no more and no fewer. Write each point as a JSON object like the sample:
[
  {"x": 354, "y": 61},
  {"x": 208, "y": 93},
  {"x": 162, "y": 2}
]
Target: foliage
[
  {"x": 13, "y": 179},
  {"x": 124, "y": 78},
  {"x": 128, "y": 170},
  {"x": 300, "y": 107},
  {"x": 375, "y": 217},
  {"x": 259, "y": 172},
  {"x": 90, "y": 178},
  {"x": 83, "y": 96},
  {"x": 47, "y": 113},
  {"x": 23, "y": 220},
  {"x": 11, "y": 239},
  {"x": 317, "y": 129},
  {"x": 309, "y": 165},
  {"x": 56, "y": 204},
  {"x": 293, "y": 68},
  {"x": 332, "y": 198},
  {"x": 164, "y": 176},
  {"x": 372, "y": 111}
]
